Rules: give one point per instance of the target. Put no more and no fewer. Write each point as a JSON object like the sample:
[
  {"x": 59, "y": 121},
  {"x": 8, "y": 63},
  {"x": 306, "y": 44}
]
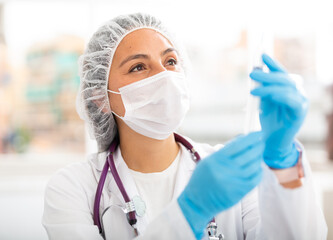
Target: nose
[{"x": 156, "y": 68}]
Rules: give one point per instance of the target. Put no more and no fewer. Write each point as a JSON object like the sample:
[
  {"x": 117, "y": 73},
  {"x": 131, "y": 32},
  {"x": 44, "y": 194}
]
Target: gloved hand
[
  {"x": 283, "y": 109},
  {"x": 221, "y": 180}
]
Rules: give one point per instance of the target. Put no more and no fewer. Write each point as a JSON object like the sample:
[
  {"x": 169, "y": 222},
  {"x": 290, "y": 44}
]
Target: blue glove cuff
[{"x": 282, "y": 160}]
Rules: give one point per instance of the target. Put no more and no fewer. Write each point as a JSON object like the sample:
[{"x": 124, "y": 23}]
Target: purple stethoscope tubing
[{"x": 109, "y": 163}]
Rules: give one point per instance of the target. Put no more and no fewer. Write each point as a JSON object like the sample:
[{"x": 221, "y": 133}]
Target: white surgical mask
[{"x": 156, "y": 106}]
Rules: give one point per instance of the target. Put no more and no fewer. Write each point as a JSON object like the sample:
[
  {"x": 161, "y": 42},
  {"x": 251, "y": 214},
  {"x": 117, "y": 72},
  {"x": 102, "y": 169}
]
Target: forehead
[{"x": 142, "y": 41}]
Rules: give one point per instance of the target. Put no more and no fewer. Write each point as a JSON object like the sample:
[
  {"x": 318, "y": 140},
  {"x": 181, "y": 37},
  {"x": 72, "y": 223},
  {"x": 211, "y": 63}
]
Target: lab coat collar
[{"x": 98, "y": 160}]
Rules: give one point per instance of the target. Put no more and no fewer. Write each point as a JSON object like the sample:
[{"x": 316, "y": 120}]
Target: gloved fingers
[
  {"x": 272, "y": 64},
  {"x": 278, "y": 78},
  {"x": 281, "y": 94},
  {"x": 252, "y": 177},
  {"x": 251, "y": 170},
  {"x": 241, "y": 143},
  {"x": 297, "y": 103},
  {"x": 256, "y": 177},
  {"x": 252, "y": 166},
  {"x": 268, "y": 91},
  {"x": 235, "y": 169},
  {"x": 244, "y": 158}
]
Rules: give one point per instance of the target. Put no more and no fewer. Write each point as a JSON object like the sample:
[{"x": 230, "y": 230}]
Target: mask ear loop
[
  {"x": 113, "y": 91},
  {"x": 111, "y": 110}
]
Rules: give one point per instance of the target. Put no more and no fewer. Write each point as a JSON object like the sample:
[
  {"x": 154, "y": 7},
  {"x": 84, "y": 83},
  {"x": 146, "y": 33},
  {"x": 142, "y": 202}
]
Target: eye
[
  {"x": 139, "y": 67},
  {"x": 172, "y": 61}
]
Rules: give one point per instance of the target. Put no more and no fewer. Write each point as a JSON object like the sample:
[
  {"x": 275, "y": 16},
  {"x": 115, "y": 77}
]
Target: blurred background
[{"x": 40, "y": 42}]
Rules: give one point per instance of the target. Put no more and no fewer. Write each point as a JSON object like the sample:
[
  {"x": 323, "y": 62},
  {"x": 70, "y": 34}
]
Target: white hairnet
[{"x": 94, "y": 65}]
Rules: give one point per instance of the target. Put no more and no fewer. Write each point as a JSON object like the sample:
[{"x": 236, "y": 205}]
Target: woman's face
[{"x": 140, "y": 54}]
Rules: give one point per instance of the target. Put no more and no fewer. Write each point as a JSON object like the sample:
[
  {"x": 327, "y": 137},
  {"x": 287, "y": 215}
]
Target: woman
[{"x": 134, "y": 95}]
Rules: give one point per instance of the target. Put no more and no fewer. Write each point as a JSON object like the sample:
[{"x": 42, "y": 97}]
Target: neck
[{"x": 144, "y": 154}]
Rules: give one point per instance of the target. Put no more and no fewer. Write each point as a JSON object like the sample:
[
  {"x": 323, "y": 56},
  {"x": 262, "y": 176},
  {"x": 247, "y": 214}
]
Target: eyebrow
[{"x": 145, "y": 56}]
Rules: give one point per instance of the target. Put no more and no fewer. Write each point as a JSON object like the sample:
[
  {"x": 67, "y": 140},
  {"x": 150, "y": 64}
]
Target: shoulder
[
  {"x": 71, "y": 171},
  {"x": 71, "y": 189},
  {"x": 75, "y": 177},
  {"x": 68, "y": 201}
]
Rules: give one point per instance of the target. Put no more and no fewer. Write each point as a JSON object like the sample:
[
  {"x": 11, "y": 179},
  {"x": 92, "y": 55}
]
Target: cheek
[
  {"x": 116, "y": 81},
  {"x": 116, "y": 104}
]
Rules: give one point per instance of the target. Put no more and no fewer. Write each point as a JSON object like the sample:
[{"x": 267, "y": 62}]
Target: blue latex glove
[
  {"x": 283, "y": 109},
  {"x": 221, "y": 180}
]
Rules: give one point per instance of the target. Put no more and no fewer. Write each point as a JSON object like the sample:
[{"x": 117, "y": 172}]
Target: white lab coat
[{"x": 268, "y": 212}]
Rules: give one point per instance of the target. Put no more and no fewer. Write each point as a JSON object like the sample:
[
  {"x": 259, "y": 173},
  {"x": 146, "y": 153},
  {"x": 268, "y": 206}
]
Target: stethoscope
[{"x": 130, "y": 205}]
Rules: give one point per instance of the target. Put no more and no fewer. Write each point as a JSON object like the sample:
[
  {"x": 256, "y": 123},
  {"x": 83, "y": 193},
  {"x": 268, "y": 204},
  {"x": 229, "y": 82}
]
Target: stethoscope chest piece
[
  {"x": 139, "y": 206},
  {"x": 136, "y": 205}
]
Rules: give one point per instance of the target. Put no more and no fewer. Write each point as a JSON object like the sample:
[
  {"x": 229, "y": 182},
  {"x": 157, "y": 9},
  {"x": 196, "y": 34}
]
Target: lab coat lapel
[
  {"x": 129, "y": 186},
  {"x": 186, "y": 167}
]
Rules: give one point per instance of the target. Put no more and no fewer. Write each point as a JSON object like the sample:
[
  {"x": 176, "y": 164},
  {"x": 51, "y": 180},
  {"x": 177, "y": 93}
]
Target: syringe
[{"x": 252, "y": 122}]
